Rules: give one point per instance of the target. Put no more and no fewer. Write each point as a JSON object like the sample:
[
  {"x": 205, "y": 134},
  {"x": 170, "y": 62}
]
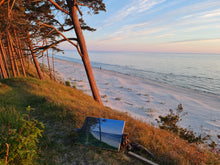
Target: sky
[{"x": 178, "y": 26}]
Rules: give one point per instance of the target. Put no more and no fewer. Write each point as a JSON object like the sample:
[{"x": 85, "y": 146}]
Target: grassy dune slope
[{"x": 63, "y": 108}]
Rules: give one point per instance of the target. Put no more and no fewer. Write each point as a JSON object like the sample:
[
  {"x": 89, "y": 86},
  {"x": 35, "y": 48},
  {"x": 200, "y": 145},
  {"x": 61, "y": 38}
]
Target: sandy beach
[{"x": 146, "y": 100}]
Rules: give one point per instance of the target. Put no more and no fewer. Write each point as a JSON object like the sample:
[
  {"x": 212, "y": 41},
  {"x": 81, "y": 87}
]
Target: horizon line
[{"x": 136, "y": 51}]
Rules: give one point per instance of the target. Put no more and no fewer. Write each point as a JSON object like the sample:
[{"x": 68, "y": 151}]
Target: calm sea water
[{"x": 193, "y": 71}]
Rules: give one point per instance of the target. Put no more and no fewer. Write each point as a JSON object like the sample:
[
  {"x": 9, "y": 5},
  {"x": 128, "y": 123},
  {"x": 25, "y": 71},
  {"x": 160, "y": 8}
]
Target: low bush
[
  {"x": 67, "y": 83},
  {"x": 19, "y": 135},
  {"x": 170, "y": 121}
]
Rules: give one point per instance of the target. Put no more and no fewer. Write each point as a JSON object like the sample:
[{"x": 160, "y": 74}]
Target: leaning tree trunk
[
  {"x": 4, "y": 57},
  {"x": 2, "y": 67},
  {"x": 84, "y": 53},
  {"x": 13, "y": 53},
  {"x": 2, "y": 61},
  {"x": 40, "y": 74},
  {"x": 11, "y": 57},
  {"x": 19, "y": 53}
]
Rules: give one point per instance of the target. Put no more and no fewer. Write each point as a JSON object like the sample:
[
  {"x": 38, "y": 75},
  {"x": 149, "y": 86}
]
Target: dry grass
[{"x": 63, "y": 108}]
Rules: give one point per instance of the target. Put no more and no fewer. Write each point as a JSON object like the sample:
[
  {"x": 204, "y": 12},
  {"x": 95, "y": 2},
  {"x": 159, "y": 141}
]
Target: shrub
[
  {"x": 117, "y": 98},
  {"x": 67, "y": 83},
  {"x": 169, "y": 122},
  {"x": 19, "y": 135}
]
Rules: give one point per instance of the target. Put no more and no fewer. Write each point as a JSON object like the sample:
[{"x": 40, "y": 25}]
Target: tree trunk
[
  {"x": 2, "y": 61},
  {"x": 54, "y": 76},
  {"x": 13, "y": 53},
  {"x": 4, "y": 57},
  {"x": 84, "y": 53},
  {"x": 2, "y": 67},
  {"x": 24, "y": 59},
  {"x": 48, "y": 62},
  {"x": 11, "y": 58},
  {"x": 19, "y": 54},
  {"x": 40, "y": 74}
]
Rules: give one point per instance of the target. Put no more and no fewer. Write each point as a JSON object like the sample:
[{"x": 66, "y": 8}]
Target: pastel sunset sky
[{"x": 191, "y": 26}]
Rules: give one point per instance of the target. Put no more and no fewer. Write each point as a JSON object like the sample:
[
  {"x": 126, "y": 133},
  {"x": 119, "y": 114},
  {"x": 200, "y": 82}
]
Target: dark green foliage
[
  {"x": 170, "y": 121},
  {"x": 21, "y": 133},
  {"x": 212, "y": 145},
  {"x": 95, "y": 7},
  {"x": 67, "y": 83}
]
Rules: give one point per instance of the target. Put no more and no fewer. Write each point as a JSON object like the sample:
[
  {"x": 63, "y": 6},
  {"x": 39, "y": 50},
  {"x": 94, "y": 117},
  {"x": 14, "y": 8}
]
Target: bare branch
[
  {"x": 79, "y": 51},
  {"x": 77, "y": 46},
  {"x": 10, "y": 10},
  {"x": 64, "y": 30},
  {"x": 80, "y": 4},
  {"x": 58, "y": 7},
  {"x": 35, "y": 32},
  {"x": 89, "y": 6},
  {"x": 58, "y": 32},
  {"x": 79, "y": 10},
  {"x": 2, "y": 1},
  {"x": 46, "y": 47}
]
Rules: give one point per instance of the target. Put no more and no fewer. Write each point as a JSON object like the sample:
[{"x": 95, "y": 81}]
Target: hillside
[{"x": 61, "y": 109}]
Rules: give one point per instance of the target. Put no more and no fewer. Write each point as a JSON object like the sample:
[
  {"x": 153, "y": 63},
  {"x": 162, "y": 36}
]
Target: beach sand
[{"x": 146, "y": 100}]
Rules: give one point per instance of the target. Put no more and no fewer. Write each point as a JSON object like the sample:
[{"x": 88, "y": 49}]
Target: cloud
[
  {"x": 133, "y": 27},
  {"x": 180, "y": 24},
  {"x": 130, "y": 33},
  {"x": 202, "y": 15},
  {"x": 136, "y": 6},
  {"x": 196, "y": 40},
  {"x": 165, "y": 35},
  {"x": 211, "y": 14}
]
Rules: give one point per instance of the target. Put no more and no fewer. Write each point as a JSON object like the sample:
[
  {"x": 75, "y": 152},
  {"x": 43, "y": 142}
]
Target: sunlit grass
[{"x": 63, "y": 108}]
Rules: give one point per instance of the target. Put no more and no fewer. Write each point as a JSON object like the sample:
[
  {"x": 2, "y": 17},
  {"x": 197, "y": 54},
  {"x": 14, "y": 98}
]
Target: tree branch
[
  {"x": 79, "y": 9},
  {"x": 2, "y": 2},
  {"x": 59, "y": 7},
  {"x": 46, "y": 47},
  {"x": 80, "y": 4},
  {"x": 58, "y": 32},
  {"x": 64, "y": 30},
  {"x": 76, "y": 45}
]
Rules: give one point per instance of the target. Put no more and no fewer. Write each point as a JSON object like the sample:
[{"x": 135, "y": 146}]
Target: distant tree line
[{"x": 29, "y": 28}]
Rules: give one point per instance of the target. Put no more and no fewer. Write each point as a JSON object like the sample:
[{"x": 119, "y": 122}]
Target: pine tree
[{"x": 70, "y": 9}]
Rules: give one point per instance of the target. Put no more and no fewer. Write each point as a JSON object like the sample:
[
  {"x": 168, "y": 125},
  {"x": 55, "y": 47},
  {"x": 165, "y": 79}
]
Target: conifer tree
[
  {"x": 32, "y": 22},
  {"x": 70, "y": 8}
]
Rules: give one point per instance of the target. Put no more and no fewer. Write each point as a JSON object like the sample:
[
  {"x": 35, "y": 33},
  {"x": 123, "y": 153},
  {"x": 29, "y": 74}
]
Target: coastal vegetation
[
  {"x": 19, "y": 136},
  {"x": 29, "y": 28},
  {"x": 37, "y": 115},
  {"x": 170, "y": 123},
  {"x": 61, "y": 108}
]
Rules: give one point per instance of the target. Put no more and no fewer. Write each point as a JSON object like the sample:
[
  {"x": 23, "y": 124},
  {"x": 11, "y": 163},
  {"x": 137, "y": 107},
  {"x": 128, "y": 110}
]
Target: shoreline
[
  {"x": 145, "y": 99},
  {"x": 191, "y": 78}
]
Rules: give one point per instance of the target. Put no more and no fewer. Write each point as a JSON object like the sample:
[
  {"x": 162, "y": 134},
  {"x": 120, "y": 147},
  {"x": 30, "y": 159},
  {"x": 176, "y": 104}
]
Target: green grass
[{"x": 63, "y": 108}]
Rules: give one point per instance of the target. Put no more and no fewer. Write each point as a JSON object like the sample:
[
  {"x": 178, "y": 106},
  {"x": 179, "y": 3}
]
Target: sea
[{"x": 200, "y": 72}]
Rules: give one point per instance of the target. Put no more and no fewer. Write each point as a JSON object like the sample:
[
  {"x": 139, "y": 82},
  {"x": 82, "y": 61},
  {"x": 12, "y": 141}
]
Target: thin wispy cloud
[
  {"x": 214, "y": 13},
  {"x": 202, "y": 15},
  {"x": 136, "y": 6},
  {"x": 156, "y": 22},
  {"x": 165, "y": 35},
  {"x": 191, "y": 15},
  {"x": 196, "y": 40}
]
